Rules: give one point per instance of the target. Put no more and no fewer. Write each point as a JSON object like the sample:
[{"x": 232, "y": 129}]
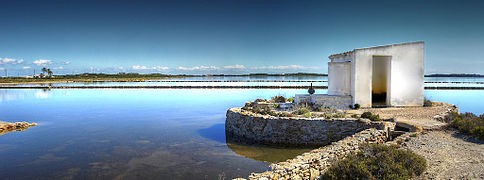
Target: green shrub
[
  {"x": 354, "y": 116},
  {"x": 366, "y": 115},
  {"x": 307, "y": 115},
  {"x": 372, "y": 117},
  {"x": 427, "y": 103},
  {"x": 276, "y": 105},
  {"x": 356, "y": 106},
  {"x": 339, "y": 115},
  {"x": 279, "y": 99},
  {"x": 468, "y": 123},
  {"x": 290, "y": 99},
  {"x": 328, "y": 116},
  {"x": 302, "y": 111},
  {"x": 378, "y": 162},
  {"x": 272, "y": 113}
]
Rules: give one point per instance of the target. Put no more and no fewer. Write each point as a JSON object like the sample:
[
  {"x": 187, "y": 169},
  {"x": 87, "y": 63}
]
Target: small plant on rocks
[
  {"x": 276, "y": 105},
  {"x": 339, "y": 115},
  {"x": 378, "y": 161},
  {"x": 279, "y": 99},
  {"x": 356, "y": 106},
  {"x": 427, "y": 103},
  {"x": 372, "y": 117},
  {"x": 302, "y": 111}
]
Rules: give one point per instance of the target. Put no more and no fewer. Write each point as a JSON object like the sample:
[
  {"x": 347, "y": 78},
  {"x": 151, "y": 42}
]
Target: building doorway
[{"x": 380, "y": 87}]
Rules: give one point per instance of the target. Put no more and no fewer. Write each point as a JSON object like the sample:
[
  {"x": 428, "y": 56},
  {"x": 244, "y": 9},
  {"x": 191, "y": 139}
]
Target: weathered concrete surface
[{"x": 249, "y": 127}]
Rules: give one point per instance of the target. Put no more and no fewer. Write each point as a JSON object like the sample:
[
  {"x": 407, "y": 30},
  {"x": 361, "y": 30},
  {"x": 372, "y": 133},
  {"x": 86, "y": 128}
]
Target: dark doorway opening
[{"x": 380, "y": 81}]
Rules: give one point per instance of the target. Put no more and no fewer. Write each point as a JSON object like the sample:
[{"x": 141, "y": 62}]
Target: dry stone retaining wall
[
  {"x": 311, "y": 165},
  {"x": 293, "y": 131}
]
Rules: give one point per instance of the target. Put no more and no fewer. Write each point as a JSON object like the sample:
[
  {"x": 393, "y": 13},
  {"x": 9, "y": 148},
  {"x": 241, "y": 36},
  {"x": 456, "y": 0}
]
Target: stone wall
[
  {"x": 311, "y": 165},
  {"x": 338, "y": 102},
  {"x": 293, "y": 131}
]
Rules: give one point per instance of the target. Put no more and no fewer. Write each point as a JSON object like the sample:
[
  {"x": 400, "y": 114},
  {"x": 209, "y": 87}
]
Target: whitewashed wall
[
  {"x": 407, "y": 74},
  {"x": 339, "y": 78}
]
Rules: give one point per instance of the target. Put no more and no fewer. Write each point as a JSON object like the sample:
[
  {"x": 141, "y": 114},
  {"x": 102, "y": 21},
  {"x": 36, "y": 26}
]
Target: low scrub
[
  {"x": 279, "y": 99},
  {"x": 372, "y": 117},
  {"x": 378, "y": 162},
  {"x": 468, "y": 123},
  {"x": 427, "y": 103},
  {"x": 302, "y": 111}
]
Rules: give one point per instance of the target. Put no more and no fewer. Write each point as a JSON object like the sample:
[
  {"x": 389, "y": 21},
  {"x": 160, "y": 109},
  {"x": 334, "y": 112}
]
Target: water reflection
[
  {"x": 265, "y": 153},
  {"x": 142, "y": 133}
]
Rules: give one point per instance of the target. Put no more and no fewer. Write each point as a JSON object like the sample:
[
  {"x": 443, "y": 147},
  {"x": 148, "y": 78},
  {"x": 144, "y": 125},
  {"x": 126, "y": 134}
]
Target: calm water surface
[{"x": 142, "y": 133}]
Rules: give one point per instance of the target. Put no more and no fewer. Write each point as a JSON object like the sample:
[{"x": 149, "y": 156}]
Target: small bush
[
  {"x": 276, "y": 105},
  {"x": 372, "y": 117},
  {"x": 260, "y": 100},
  {"x": 290, "y": 99},
  {"x": 378, "y": 162},
  {"x": 279, "y": 99},
  {"x": 302, "y": 111},
  {"x": 366, "y": 115},
  {"x": 354, "y": 116},
  {"x": 328, "y": 116},
  {"x": 339, "y": 115},
  {"x": 468, "y": 123},
  {"x": 307, "y": 115},
  {"x": 356, "y": 106},
  {"x": 427, "y": 103}
]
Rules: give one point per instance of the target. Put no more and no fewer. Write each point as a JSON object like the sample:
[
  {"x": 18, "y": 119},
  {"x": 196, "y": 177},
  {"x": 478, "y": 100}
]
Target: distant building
[{"x": 388, "y": 75}]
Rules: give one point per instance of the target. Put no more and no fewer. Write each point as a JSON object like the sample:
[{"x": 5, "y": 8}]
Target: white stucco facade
[{"x": 392, "y": 74}]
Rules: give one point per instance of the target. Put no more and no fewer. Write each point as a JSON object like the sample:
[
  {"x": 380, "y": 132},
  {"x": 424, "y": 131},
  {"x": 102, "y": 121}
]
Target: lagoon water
[{"x": 143, "y": 133}]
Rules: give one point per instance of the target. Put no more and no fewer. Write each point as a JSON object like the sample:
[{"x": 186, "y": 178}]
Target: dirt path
[{"x": 449, "y": 155}]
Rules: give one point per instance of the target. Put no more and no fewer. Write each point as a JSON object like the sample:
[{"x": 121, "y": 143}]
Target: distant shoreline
[
  {"x": 454, "y": 75},
  {"x": 135, "y": 77}
]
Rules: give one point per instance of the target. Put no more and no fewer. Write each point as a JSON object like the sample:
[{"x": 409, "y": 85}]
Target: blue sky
[{"x": 232, "y": 37}]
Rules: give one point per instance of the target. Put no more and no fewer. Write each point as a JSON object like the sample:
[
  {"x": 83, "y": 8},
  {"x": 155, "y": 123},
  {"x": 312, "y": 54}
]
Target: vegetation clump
[
  {"x": 372, "y": 117},
  {"x": 427, "y": 103},
  {"x": 302, "y": 111},
  {"x": 378, "y": 162},
  {"x": 279, "y": 99},
  {"x": 468, "y": 123}
]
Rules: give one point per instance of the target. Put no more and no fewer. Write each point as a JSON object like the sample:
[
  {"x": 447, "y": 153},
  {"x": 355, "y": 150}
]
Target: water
[
  {"x": 143, "y": 133},
  {"x": 255, "y": 81},
  {"x": 128, "y": 134}
]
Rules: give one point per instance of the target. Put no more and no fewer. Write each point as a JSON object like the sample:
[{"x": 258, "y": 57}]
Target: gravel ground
[
  {"x": 410, "y": 113},
  {"x": 449, "y": 155}
]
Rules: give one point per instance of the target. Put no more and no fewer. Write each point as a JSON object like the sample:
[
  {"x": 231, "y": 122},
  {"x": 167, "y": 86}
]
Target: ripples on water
[{"x": 142, "y": 133}]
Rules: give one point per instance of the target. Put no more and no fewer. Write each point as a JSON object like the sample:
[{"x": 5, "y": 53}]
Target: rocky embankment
[
  {"x": 312, "y": 164},
  {"x": 6, "y": 127}
]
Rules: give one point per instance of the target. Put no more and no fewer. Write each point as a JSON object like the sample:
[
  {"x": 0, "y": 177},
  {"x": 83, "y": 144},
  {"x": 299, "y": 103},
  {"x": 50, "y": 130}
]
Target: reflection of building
[{"x": 388, "y": 75}]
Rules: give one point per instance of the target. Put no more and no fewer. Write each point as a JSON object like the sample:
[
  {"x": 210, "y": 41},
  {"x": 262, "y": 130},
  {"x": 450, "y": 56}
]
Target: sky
[{"x": 230, "y": 37}]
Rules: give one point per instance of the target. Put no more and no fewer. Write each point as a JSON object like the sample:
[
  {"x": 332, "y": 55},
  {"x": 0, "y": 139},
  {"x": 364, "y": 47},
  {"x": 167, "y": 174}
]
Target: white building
[{"x": 388, "y": 75}]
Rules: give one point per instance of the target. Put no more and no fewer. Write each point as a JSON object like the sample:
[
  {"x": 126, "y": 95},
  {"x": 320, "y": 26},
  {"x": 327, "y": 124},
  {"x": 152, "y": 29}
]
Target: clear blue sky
[{"x": 200, "y": 36}]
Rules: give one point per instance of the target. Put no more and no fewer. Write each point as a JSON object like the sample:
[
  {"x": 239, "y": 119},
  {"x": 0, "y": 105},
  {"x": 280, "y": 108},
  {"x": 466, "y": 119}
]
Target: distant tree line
[{"x": 454, "y": 75}]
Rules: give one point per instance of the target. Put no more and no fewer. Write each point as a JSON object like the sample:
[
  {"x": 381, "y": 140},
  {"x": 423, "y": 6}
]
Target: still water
[
  {"x": 260, "y": 81},
  {"x": 143, "y": 133}
]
